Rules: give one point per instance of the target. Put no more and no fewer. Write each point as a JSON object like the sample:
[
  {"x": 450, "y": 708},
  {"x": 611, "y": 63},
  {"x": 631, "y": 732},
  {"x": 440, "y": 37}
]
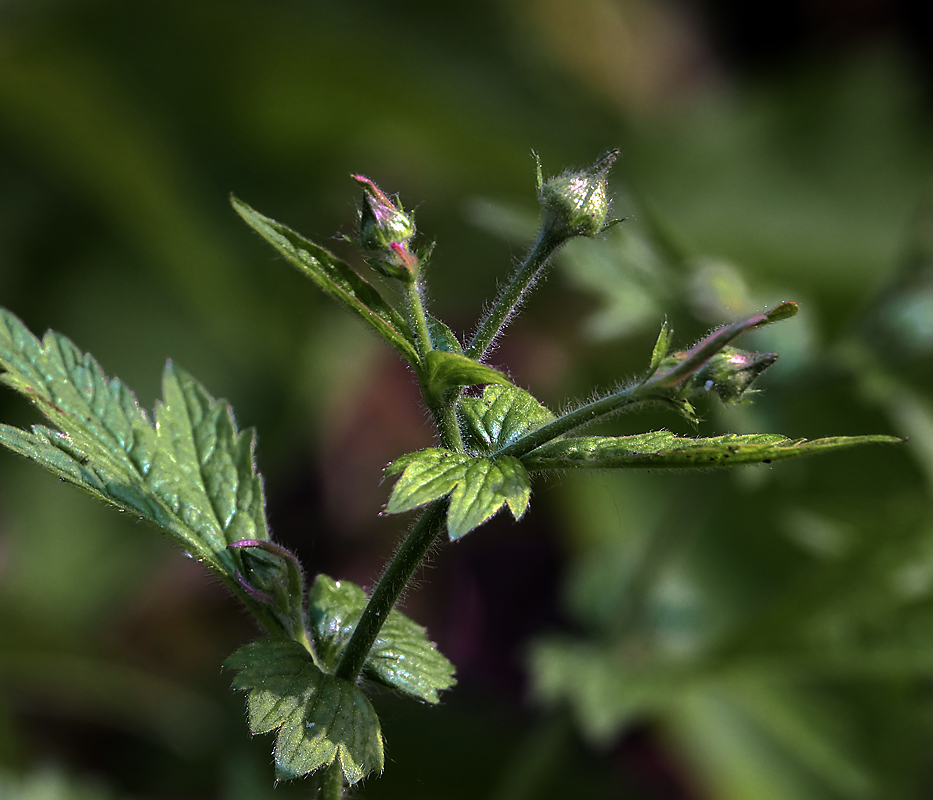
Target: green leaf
[
  {"x": 478, "y": 487},
  {"x": 442, "y": 337},
  {"x": 336, "y": 278},
  {"x": 192, "y": 473},
  {"x": 402, "y": 656},
  {"x": 664, "y": 450},
  {"x": 503, "y": 415},
  {"x": 316, "y": 717},
  {"x": 446, "y": 370}
]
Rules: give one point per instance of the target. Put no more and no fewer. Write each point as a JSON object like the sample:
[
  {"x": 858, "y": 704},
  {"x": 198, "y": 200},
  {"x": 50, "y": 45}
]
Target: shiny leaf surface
[
  {"x": 478, "y": 487},
  {"x": 316, "y": 717},
  {"x": 402, "y": 657}
]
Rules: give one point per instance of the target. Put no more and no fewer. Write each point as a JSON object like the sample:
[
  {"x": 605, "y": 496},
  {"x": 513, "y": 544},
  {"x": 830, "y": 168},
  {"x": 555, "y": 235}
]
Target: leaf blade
[
  {"x": 478, "y": 486},
  {"x": 664, "y": 450},
  {"x": 447, "y": 370},
  {"x": 336, "y": 278},
  {"x": 500, "y": 417},
  {"x": 402, "y": 657},
  {"x": 192, "y": 473},
  {"x": 317, "y": 718}
]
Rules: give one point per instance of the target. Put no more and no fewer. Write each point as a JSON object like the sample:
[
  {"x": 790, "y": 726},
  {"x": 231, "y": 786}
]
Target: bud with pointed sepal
[
  {"x": 385, "y": 231},
  {"x": 729, "y": 374},
  {"x": 577, "y": 203}
]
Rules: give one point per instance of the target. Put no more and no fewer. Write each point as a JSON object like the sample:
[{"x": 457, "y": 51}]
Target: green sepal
[
  {"x": 503, "y": 415},
  {"x": 336, "y": 278},
  {"x": 316, "y": 717},
  {"x": 664, "y": 450},
  {"x": 661, "y": 347},
  {"x": 478, "y": 487},
  {"x": 192, "y": 473},
  {"x": 402, "y": 657},
  {"x": 445, "y": 370}
]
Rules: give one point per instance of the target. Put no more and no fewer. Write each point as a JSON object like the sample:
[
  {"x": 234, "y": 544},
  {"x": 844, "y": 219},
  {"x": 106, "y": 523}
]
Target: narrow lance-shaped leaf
[
  {"x": 316, "y": 717},
  {"x": 402, "y": 656},
  {"x": 192, "y": 473},
  {"x": 664, "y": 450},
  {"x": 478, "y": 487},
  {"x": 336, "y": 278}
]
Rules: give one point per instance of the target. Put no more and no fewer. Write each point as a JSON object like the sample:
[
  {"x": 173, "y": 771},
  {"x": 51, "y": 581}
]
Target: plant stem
[
  {"x": 574, "y": 419},
  {"x": 444, "y": 413},
  {"x": 511, "y": 297},
  {"x": 331, "y": 783},
  {"x": 418, "y": 319},
  {"x": 390, "y": 586}
]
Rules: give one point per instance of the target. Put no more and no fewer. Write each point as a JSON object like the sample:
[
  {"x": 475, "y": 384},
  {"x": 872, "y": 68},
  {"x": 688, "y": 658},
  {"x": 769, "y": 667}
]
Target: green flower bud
[
  {"x": 577, "y": 203},
  {"x": 385, "y": 231},
  {"x": 729, "y": 373},
  {"x": 382, "y": 222}
]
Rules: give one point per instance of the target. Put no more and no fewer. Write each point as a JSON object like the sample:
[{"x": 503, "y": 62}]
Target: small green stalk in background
[{"x": 188, "y": 470}]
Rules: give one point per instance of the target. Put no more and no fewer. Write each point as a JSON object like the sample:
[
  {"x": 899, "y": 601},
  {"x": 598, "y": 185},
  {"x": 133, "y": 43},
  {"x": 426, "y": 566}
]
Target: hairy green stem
[
  {"x": 443, "y": 412},
  {"x": 331, "y": 783},
  {"x": 574, "y": 419},
  {"x": 418, "y": 319},
  {"x": 445, "y": 415},
  {"x": 511, "y": 297},
  {"x": 390, "y": 586}
]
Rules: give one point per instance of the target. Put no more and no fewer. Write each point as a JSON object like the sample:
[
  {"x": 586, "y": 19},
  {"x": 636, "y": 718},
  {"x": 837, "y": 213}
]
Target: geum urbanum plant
[{"x": 191, "y": 472}]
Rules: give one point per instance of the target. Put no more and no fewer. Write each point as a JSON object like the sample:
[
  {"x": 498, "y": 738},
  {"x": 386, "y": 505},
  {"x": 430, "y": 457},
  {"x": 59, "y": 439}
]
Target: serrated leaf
[
  {"x": 402, "y": 656},
  {"x": 336, "y": 278},
  {"x": 316, "y": 717},
  {"x": 445, "y": 370},
  {"x": 192, "y": 473},
  {"x": 503, "y": 415},
  {"x": 664, "y": 450},
  {"x": 478, "y": 487}
]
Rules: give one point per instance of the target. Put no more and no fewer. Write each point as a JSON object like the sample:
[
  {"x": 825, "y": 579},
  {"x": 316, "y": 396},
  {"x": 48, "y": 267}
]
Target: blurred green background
[{"x": 737, "y": 636}]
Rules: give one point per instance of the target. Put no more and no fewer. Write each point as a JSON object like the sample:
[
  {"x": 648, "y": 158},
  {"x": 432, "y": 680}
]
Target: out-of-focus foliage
[{"x": 759, "y": 634}]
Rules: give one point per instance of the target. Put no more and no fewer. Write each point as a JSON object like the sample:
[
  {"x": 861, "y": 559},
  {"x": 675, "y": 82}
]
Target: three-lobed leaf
[
  {"x": 402, "y": 656},
  {"x": 662, "y": 449},
  {"x": 316, "y": 717},
  {"x": 336, "y": 278},
  {"x": 477, "y": 486}
]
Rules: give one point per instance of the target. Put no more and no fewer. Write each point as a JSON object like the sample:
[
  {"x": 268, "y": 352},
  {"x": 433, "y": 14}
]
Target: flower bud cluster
[{"x": 385, "y": 232}]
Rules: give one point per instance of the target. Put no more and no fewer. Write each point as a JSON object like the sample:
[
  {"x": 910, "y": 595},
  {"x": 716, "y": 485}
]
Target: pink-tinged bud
[
  {"x": 577, "y": 203},
  {"x": 385, "y": 232},
  {"x": 730, "y": 373}
]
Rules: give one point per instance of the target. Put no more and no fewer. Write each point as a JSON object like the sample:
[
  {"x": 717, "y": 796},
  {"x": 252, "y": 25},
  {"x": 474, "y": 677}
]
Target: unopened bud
[
  {"x": 577, "y": 203},
  {"x": 728, "y": 374},
  {"x": 731, "y": 372},
  {"x": 385, "y": 232}
]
